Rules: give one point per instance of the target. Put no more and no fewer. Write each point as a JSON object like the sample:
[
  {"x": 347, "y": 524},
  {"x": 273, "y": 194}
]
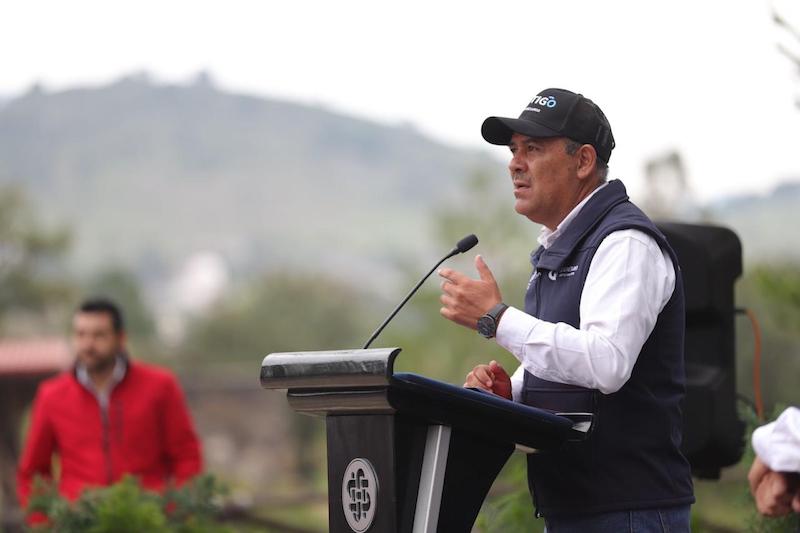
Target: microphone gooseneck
[{"x": 464, "y": 245}]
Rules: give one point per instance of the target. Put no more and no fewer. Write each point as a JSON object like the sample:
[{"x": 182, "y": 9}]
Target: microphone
[{"x": 464, "y": 245}]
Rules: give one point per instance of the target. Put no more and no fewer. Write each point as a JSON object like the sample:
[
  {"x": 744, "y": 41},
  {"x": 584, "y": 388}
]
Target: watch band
[
  {"x": 487, "y": 324},
  {"x": 497, "y": 311}
]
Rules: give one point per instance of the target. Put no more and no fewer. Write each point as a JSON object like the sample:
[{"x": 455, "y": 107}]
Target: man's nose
[
  {"x": 84, "y": 342},
  {"x": 517, "y": 164}
]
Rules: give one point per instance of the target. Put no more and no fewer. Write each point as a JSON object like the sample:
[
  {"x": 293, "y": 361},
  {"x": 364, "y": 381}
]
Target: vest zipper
[
  {"x": 539, "y": 294},
  {"x": 537, "y": 513}
]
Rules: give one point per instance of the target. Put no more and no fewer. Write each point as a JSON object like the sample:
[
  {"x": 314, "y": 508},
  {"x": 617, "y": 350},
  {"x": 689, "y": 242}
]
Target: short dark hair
[
  {"x": 104, "y": 305},
  {"x": 571, "y": 146}
]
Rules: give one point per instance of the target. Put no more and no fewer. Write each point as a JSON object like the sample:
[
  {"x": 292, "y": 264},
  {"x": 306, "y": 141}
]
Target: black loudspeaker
[{"x": 711, "y": 260}]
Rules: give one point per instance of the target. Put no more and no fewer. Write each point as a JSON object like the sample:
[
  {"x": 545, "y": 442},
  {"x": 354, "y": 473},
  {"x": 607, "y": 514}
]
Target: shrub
[{"x": 126, "y": 508}]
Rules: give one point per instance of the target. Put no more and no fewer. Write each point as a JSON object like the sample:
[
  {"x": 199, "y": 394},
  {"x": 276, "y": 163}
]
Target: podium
[{"x": 408, "y": 453}]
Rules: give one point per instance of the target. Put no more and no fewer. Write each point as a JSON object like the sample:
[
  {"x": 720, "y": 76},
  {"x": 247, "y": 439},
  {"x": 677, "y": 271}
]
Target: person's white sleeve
[
  {"x": 777, "y": 444},
  {"x": 629, "y": 282},
  {"x": 516, "y": 383}
]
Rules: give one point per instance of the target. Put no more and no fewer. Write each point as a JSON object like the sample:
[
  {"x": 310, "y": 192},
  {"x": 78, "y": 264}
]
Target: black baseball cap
[{"x": 555, "y": 113}]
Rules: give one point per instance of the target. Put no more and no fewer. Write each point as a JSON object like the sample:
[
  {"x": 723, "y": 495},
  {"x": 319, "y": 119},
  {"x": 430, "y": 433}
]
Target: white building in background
[{"x": 199, "y": 283}]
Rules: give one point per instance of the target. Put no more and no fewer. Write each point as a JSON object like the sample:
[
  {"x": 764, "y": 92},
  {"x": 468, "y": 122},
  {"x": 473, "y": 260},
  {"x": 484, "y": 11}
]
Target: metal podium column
[{"x": 431, "y": 482}]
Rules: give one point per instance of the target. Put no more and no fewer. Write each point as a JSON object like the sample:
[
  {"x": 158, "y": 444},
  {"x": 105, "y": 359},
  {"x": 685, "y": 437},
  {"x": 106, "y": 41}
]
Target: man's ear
[{"x": 587, "y": 161}]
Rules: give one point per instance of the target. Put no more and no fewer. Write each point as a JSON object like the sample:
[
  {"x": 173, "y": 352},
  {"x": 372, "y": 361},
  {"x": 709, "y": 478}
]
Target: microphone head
[{"x": 467, "y": 243}]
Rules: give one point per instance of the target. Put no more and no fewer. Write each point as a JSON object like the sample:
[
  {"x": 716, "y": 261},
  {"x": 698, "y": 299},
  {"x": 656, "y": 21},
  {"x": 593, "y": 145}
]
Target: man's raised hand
[{"x": 464, "y": 299}]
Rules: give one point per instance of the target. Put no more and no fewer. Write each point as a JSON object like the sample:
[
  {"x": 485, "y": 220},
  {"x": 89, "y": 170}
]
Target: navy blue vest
[{"x": 632, "y": 459}]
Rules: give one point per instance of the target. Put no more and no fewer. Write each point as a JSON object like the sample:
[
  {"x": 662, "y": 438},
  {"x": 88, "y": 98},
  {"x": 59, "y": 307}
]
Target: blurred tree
[
  {"x": 668, "y": 195},
  {"x": 780, "y": 286},
  {"x": 486, "y": 208},
  {"x": 772, "y": 292},
  {"x": 278, "y": 312},
  {"x": 32, "y": 275},
  {"x": 794, "y": 34},
  {"x": 122, "y": 286}
]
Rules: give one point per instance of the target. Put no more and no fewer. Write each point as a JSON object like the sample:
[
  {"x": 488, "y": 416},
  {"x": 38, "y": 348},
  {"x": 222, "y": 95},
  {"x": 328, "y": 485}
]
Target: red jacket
[{"x": 148, "y": 433}]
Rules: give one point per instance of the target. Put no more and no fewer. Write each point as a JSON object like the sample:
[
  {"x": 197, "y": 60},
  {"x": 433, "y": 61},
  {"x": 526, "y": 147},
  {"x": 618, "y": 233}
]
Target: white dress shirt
[
  {"x": 778, "y": 444},
  {"x": 629, "y": 282}
]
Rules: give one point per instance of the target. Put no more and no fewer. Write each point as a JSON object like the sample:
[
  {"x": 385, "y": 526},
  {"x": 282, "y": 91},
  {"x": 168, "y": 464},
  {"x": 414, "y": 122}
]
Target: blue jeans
[{"x": 666, "y": 520}]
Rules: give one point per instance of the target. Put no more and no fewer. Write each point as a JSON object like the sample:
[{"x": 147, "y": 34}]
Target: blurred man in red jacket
[{"x": 109, "y": 416}]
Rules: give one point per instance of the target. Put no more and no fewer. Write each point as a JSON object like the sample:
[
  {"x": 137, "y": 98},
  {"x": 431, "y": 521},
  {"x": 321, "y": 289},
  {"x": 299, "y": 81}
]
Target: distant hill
[
  {"x": 147, "y": 174},
  {"x": 766, "y": 225}
]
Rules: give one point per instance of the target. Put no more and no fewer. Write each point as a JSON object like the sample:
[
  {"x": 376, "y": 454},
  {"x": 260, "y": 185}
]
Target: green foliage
[
  {"x": 780, "y": 286},
  {"x": 193, "y": 506},
  {"x": 278, "y": 312},
  {"x": 506, "y": 237},
  {"x": 31, "y": 271},
  {"x": 125, "y": 508},
  {"x": 772, "y": 293},
  {"x": 512, "y": 509}
]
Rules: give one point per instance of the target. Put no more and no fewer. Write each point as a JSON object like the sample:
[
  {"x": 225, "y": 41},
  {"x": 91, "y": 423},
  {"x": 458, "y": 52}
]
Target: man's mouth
[{"x": 520, "y": 182}]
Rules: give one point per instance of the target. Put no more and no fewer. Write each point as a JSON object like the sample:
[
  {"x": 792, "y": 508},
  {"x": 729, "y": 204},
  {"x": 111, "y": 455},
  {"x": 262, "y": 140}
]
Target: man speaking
[{"x": 602, "y": 330}]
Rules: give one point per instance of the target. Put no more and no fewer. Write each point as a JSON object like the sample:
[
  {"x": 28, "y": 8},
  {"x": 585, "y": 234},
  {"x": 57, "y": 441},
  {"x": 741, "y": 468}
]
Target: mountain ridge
[
  {"x": 148, "y": 174},
  {"x": 151, "y": 173}
]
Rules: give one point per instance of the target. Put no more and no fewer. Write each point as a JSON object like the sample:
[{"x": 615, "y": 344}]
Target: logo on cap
[{"x": 543, "y": 101}]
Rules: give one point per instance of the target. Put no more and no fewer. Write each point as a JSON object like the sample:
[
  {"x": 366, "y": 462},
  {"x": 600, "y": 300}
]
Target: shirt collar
[
  {"x": 547, "y": 236},
  {"x": 117, "y": 375}
]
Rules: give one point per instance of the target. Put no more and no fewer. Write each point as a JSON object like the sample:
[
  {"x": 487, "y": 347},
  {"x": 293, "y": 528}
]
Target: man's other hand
[
  {"x": 775, "y": 493},
  {"x": 491, "y": 378},
  {"x": 465, "y": 300}
]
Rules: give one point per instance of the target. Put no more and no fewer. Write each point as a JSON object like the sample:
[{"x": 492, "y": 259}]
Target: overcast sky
[{"x": 702, "y": 77}]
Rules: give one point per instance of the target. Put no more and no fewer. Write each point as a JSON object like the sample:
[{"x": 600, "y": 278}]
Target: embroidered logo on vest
[{"x": 564, "y": 272}]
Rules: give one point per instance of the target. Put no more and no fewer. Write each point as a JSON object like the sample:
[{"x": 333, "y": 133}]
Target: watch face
[{"x": 486, "y": 326}]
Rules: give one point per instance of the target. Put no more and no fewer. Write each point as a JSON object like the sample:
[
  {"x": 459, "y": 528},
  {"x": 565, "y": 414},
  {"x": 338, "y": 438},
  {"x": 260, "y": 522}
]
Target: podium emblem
[{"x": 359, "y": 494}]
